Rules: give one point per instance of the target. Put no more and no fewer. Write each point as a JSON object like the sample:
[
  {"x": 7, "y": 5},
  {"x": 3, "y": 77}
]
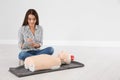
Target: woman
[{"x": 31, "y": 37}]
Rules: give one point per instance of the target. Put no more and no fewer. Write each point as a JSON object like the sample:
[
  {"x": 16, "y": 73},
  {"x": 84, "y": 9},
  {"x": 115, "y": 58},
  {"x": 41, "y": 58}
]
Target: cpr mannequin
[{"x": 44, "y": 61}]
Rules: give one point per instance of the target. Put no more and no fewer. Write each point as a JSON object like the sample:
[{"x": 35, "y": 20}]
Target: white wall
[{"x": 64, "y": 20}]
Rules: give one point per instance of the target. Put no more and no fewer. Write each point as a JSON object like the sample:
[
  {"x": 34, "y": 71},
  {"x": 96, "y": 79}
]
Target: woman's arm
[
  {"x": 39, "y": 41},
  {"x": 21, "y": 42},
  {"x": 20, "y": 38}
]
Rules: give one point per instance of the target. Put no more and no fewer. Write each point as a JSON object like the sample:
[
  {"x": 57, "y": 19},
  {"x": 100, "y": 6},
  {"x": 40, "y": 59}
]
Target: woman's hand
[
  {"x": 30, "y": 40},
  {"x": 32, "y": 43},
  {"x": 35, "y": 45}
]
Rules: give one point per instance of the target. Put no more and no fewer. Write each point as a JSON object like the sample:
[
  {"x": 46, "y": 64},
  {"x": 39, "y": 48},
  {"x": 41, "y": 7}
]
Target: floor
[{"x": 101, "y": 63}]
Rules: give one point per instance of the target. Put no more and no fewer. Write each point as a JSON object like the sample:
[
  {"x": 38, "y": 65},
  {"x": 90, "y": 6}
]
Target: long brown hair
[{"x": 33, "y": 12}]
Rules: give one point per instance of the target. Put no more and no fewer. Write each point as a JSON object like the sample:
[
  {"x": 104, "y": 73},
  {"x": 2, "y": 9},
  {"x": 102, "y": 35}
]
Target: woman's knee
[
  {"x": 51, "y": 50},
  {"x": 21, "y": 56}
]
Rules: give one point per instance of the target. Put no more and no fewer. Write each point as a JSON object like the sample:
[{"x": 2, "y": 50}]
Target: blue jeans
[{"x": 25, "y": 54}]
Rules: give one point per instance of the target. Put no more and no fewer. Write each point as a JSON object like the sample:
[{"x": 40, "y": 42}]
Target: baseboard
[
  {"x": 85, "y": 43},
  {"x": 72, "y": 43},
  {"x": 8, "y": 42}
]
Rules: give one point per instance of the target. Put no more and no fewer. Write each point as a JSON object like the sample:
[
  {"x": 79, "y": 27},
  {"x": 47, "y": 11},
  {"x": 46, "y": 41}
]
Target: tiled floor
[{"x": 101, "y": 63}]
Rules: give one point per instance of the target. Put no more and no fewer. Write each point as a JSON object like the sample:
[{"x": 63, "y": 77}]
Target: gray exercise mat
[{"x": 21, "y": 71}]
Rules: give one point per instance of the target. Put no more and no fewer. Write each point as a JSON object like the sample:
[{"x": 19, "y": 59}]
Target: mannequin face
[{"x": 31, "y": 20}]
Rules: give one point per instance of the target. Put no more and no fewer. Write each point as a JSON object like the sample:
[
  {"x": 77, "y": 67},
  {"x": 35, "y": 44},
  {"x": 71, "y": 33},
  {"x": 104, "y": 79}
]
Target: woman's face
[{"x": 31, "y": 20}]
